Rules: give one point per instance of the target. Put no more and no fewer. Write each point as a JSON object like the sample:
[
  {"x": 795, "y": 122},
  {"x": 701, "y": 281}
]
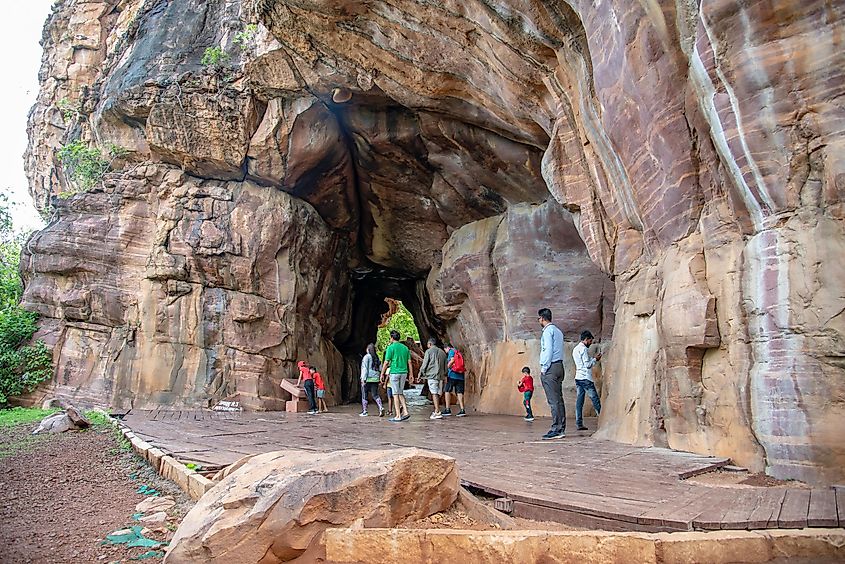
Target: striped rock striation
[{"x": 668, "y": 174}]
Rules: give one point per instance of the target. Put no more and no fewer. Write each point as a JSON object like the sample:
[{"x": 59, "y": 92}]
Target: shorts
[
  {"x": 453, "y": 385},
  {"x": 321, "y": 394},
  {"x": 435, "y": 386},
  {"x": 397, "y": 383}
]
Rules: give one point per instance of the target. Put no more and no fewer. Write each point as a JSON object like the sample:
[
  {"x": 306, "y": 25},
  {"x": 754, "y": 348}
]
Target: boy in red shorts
[{"x": 526, "y": 386}]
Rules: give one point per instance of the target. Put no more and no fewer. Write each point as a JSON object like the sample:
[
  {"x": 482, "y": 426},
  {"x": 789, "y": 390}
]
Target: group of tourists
[
  {"x": 314, "y": 385},
  {"x": 551, "y": 376},
  {"x": 437, "y": 366},
  {"x": 444, "y": 372}
]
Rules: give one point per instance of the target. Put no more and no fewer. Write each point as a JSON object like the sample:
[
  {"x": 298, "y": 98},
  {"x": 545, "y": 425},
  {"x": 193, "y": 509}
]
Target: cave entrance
[{"x": 382, "y": 297}]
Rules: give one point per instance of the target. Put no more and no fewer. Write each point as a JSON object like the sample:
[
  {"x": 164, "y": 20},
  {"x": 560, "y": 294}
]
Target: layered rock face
[{"x": 665, "y": 174}]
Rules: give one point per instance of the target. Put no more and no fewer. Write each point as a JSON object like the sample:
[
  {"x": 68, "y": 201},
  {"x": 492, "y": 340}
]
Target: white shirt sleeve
[{"x": 365, "y": 366}]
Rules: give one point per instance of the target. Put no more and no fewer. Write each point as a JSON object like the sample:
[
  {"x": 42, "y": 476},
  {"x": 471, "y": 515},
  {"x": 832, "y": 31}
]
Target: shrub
[
  {"x": 85, "y": 165},
  {"x": 22, "y": 365},
  {"x": 403, "y": 322},
  {"x": 245, "y": 37},
  {"x": 214, "y": 56},
  {"x": 69, "y": 111}
]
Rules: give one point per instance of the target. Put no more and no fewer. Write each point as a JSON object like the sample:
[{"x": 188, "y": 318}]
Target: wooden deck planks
[
  {"x": 716, "y": 506},
  {"x": 766, "y": 512},
  {"x": 738, "y": 515},
  {"x": 609, "y": 484},
  {"x": 795, "y": 508}
]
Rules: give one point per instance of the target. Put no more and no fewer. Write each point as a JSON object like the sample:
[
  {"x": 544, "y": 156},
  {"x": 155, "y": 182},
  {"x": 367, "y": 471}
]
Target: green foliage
[
  {"x": 97, "y": 418},
  {"x": 85, "y": 165},
  {"x": 401, "y": 321},
  {"x": 244, "y": 38},
  {"x": 22, "y": 365},
  {"x": 19, "y": 415},
  {"x": 116, "y": 151},
  {"x": 214, "y": 57},
  {"x": 69, "y": 111}
]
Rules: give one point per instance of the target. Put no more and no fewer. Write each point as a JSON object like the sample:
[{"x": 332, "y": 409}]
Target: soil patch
[
  {"x": 728, "y": 479},
  {"x": 62, "y": 494}
]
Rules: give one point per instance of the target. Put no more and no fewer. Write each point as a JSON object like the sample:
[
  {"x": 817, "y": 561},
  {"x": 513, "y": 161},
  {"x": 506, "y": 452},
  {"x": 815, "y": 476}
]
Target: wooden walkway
[{"x": 579, "y": 480}]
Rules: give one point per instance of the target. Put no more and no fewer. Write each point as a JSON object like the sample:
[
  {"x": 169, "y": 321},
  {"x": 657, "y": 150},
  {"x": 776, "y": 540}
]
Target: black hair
[
  {"x": 374, "y": 360},
  {"x": 394, "y": 334},
  {"x": 586, "y": 335},
  {"x": 546, "y": 314},
  {"x": 526, "y": 370},
  {"x": 432, "y": 341},
  {"x": 312, "y": 367}
]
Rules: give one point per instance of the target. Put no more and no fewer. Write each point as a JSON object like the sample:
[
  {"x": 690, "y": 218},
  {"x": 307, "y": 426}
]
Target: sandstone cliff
[{"x": 667, "y": 174}]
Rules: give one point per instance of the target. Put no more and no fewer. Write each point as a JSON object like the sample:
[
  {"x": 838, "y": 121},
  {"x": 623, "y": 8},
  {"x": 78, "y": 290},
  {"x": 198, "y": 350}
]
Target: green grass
[
  {"x": 97, "y": 418},
  {"x": 10, "y": 417}
]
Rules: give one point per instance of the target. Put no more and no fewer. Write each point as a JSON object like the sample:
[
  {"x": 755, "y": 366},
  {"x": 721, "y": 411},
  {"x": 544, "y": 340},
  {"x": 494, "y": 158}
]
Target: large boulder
[{"x": 277, "y": 505}]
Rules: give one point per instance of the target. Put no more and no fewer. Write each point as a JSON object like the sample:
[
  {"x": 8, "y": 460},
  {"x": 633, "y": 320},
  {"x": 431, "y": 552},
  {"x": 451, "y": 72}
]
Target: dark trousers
[
  {"x": 309, "y": 393},
  {"x": 553, "y": 386},
  {"x": 526, "y": 402}
]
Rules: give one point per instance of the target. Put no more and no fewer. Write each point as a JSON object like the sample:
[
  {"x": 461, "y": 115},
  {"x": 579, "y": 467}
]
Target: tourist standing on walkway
[
  {"x": 526, "y": 386},
  {"x": 455, "y": 379},
  {"x": 370, "y": 372},
  {"x": 397, "y": 360},
  {"x": 551, "y": 373},
  {"x": 306, "y": 380},
  {"x": 320, "y": 387},
  {"x": 584, "y": 377},
  {"x": 433, "y": 369}
]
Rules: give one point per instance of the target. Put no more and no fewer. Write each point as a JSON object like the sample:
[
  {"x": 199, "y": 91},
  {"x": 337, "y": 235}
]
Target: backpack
[{"x": 458, "y": 365}]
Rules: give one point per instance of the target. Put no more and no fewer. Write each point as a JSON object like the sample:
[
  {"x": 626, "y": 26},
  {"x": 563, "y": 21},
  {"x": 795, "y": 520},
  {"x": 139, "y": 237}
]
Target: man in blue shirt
[{"x": 551, "y": 373}]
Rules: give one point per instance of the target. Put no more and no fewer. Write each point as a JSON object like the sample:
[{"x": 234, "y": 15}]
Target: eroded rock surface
[
  {"x": 666, "y": 174},
  {"x": 276, "y": 505}
]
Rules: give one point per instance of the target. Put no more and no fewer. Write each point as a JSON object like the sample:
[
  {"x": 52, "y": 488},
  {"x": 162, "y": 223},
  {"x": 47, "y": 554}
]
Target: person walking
[
  {"x": 433, "y": 369},
  {"x": 397, "y": 360},
  {"x": 370, "y": 366},
  {"x": 551, "y": 373},
  {"x": 526, "y": 386},
  {"x": 455, "y": 379},
  {"x": 584, "y": 378},
  {"x": 306, "y": 380}
]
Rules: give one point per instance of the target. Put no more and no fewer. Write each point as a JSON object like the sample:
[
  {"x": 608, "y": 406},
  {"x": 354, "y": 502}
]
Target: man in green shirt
[{"x": 397, "y": 359}]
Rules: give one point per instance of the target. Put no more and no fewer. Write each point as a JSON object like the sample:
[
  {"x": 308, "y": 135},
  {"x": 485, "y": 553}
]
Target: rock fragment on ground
[
  {"x": 276, "y": 506},
  {"x": 68, "y": 420},
  {"x": 154, "y": 503}
]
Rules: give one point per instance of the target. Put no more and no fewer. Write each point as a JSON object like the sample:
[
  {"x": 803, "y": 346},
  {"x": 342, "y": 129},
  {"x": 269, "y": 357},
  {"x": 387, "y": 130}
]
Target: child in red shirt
[
  {"x": 321, "y": 390},
  {"x": 526, "y": 386}
]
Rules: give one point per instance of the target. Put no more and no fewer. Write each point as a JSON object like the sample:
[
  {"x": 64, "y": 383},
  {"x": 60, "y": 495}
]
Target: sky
[{"x": 20, "y": 32}]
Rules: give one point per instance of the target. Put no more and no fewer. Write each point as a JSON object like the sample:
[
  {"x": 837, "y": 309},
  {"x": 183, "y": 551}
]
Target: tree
[
  {"x": 23, "y": 365},
  {"x": 401, "y": 321}
]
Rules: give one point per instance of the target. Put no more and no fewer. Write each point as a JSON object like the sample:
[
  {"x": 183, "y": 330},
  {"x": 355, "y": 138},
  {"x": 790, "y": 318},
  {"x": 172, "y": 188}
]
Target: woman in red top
[
  {"x": 526, "y": 386},
  {"x": 306, "y": 379}
]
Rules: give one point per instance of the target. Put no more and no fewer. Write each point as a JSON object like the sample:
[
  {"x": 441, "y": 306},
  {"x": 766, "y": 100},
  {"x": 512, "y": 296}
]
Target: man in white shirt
[
  {"x": 584, "y": 377},
  {"x": 551, "y": 373}
]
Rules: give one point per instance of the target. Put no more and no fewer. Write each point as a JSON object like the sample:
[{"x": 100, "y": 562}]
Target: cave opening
[{"x": 377, "y": 294}]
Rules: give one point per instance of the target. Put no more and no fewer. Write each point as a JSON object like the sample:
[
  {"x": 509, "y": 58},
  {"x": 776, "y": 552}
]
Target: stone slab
[{"x": 374, "y": 546}]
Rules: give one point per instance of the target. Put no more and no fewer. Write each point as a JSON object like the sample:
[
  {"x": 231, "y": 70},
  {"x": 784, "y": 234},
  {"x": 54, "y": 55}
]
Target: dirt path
[{"x": 62, "y": 494}]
